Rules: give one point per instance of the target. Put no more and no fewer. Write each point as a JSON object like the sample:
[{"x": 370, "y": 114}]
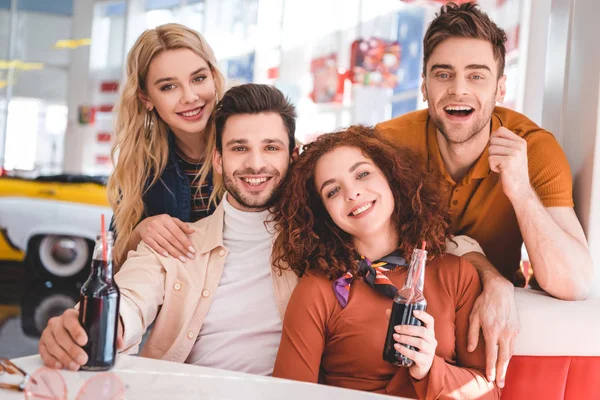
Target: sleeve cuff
[
  {"x": 461, "y": 245},
  {"x": 432, "y": 386},
  {"x": 132, "y": 324}
]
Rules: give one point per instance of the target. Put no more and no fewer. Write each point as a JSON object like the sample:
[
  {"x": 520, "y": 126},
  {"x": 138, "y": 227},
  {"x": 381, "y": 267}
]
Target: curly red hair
[{"x": 308, "y": 238}]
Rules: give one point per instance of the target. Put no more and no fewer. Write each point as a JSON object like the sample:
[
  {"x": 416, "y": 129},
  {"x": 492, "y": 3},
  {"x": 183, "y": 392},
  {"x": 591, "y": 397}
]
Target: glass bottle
[
  {"x": 407, "y": 300},
  {"x": 99, "y": 308}
]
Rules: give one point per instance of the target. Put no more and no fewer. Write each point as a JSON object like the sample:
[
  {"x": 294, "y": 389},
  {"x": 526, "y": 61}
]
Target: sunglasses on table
[{"x": 48, "y": 384}]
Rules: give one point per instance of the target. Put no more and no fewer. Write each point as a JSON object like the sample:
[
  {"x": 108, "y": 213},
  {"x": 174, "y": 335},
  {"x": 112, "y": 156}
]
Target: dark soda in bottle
[
  {"x": 407, "y": 300},
  {"x": 99, "y": 308}
]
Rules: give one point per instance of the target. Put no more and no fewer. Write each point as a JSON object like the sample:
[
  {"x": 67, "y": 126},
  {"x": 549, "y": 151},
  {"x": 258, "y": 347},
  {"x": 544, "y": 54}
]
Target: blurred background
[{"x": 341, "y": 62}]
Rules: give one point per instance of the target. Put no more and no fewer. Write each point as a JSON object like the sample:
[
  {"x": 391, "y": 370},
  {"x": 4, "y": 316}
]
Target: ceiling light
[{"x": 72, "y": 44}]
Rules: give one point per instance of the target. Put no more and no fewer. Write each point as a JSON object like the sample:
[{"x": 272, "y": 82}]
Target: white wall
[
  {"x": 571, "y": 109},
  {"x": 580, "y": 125},
  {"x": 594, "y": 220}
]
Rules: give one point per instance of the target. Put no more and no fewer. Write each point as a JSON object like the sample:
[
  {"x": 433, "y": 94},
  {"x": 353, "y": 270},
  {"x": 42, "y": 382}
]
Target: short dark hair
[
  {"x": 464, "y": 21},
  {"x": 254, "y": 98}
]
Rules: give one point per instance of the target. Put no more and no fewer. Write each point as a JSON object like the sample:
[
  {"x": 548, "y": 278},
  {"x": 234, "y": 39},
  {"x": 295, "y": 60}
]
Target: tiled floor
[{"x": 26, "y": 306}]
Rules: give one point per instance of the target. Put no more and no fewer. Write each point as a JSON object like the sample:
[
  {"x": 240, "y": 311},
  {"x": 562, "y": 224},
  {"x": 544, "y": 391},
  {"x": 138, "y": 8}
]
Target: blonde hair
[{"x": 143, "y": 149}]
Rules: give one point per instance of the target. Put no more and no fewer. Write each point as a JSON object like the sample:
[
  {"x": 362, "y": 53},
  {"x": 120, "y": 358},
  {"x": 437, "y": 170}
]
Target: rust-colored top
[{"x": 344, "y": 346}]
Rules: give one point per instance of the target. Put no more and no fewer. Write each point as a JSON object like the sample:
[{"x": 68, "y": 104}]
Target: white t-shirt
[{"x": 242, "y": 329}]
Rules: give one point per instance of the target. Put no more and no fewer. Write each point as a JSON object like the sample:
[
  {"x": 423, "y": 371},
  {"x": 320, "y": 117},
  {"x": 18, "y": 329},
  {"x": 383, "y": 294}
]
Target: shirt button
[
  {"x": 205, "y": 293},
  {"x": 222, "y": 253},
  {"x": 190, "y": 335},
  {"x": 177, "y": 286},
  {"x": 455, "y": 202}
]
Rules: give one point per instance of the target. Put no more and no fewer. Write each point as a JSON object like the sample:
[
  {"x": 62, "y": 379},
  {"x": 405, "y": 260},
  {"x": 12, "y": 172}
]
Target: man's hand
[
  {"x": 62, "y": 341},
  {"x": 495, "y": 312},
  {"x": 508, "y": 157}
]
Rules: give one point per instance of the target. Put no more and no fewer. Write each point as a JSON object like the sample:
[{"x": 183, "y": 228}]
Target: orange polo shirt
[{"x": 479, "y": 207}]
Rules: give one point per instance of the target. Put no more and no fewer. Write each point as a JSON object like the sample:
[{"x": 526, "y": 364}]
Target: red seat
[{"x": 552, "y": 378}]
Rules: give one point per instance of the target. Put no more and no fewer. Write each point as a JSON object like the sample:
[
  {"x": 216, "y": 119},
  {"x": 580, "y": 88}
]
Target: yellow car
[{"x": 52, "y": 221}]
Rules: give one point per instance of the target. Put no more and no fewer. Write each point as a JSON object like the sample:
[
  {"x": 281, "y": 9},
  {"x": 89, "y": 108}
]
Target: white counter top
[
  {"x": 549, "y": 327},
  {"x": 150, "y": 379}
]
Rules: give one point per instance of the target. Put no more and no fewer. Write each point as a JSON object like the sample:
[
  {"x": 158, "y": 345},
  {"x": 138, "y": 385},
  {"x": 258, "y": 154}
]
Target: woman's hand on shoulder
[{"x": 167, "y": 236}]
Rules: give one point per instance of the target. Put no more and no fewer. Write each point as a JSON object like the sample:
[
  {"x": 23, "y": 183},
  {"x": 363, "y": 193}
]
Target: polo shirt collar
[{"x": 479, "y": 170}]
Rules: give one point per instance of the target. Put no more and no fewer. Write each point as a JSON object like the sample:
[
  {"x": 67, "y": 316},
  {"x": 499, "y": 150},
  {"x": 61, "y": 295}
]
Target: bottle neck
[
  {"x": 416, "y": 271},
  {"x": 102, "y": 266},
  {"x": 102, "y": 270}
]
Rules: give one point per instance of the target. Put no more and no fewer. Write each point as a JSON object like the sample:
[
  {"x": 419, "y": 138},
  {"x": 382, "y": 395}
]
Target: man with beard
[
  {"x": 508, "y": 180},
  {"x": 224, "y": 308}
]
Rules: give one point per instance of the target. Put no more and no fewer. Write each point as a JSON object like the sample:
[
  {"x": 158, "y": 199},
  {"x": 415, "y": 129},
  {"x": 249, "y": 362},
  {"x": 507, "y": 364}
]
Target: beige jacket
[{"x": 176, "y": 296}]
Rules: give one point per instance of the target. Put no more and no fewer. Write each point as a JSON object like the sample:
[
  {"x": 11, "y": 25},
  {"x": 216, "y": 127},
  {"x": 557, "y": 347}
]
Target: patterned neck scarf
[{"x": 372, "y": 274}]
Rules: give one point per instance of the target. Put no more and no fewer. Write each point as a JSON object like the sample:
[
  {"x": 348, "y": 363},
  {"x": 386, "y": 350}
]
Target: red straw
[
  {"x": 423, "y": 243},
  {"x": 103, "y": 234}
]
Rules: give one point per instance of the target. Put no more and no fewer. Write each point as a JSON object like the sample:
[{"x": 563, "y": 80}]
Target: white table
[{"x": 154, "y": 379}]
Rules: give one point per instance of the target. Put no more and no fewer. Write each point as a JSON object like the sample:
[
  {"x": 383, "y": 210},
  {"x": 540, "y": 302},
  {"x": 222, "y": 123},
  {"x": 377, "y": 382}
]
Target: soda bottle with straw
[
  {"x": 99, "y": 306},
  {"x": 407, "y": 300}
]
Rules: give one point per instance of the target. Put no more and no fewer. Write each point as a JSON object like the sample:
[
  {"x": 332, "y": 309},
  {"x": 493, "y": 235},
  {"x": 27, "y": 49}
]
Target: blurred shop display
[
  {"x": 240, "y": 70},
  {"x": 105, "y": 95},
  {"x": 386, "y": 72},
  {"x": 411, "y": 24},
  {"x": 375, "y": 62},
  {"x": 350, "y": 44},
  {"x": 328, "y": 80},
  {"x": 86, "y": 115},
  {"x": 437, "y": 2},
  {"x": 51, "y": 221}
]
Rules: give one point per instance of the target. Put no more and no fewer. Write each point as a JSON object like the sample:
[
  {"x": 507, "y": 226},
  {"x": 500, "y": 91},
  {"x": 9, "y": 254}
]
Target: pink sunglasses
[{"x": 48, "y": 384}]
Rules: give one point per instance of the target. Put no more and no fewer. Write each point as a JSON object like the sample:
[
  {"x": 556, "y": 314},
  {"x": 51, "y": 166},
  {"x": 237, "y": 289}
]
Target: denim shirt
[{"x": 171, "y": 193}]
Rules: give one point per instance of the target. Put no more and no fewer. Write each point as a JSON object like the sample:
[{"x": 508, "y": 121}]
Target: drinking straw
[
  {"x": 423, "y": 244},
  {"x": 103, "y": 234}
]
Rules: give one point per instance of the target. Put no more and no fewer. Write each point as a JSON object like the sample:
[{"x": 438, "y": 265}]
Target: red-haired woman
[{"x": 356, "y": 196}]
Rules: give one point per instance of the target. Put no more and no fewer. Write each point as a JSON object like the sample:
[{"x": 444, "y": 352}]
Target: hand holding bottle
[
  {"x": 407, "y": 301},
  {"x": 422, "y": 341},
  {"x": 61, "y": 344}
]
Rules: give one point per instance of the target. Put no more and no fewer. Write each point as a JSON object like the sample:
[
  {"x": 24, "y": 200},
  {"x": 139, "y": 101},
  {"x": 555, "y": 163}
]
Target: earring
[{"x": 148, "y": 123}]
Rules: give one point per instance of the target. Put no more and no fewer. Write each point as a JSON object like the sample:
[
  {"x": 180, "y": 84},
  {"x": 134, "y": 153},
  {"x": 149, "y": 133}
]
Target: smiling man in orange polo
[{"x": 508, "y": 180}]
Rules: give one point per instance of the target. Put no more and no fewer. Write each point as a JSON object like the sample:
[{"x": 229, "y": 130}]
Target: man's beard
[
  {"x": 475, "y": 128},
  {"x": 229, "y": 181}
]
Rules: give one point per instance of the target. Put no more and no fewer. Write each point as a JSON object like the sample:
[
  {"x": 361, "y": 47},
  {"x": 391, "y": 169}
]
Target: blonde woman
[{"x": 164, "y": 144}]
